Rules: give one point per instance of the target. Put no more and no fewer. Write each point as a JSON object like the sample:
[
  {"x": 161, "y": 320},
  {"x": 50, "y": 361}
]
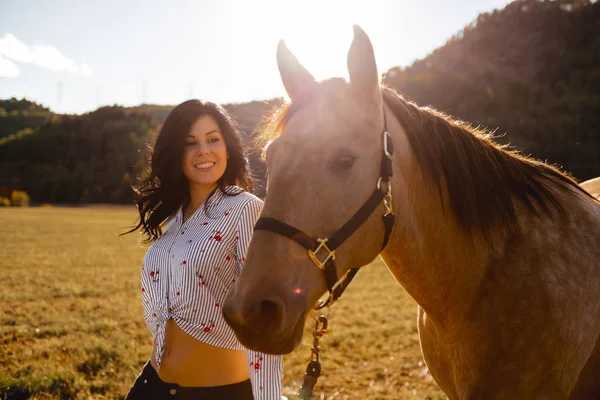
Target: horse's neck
[
  {"x": 442, "y": 266},
  {"x": 435, "y": 260}
]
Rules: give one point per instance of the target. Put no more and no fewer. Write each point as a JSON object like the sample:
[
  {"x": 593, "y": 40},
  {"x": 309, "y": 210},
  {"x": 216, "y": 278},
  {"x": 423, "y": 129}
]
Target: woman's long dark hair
[{"x": 160, "y": 195}]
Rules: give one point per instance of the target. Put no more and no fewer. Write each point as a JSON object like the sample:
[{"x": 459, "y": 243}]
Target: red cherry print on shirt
[
  {"x": 217, "y": 305},
  {"x": 259, "y": 358},
  {"x": 184, "y": 262},
  {"x": 205, "y": 223},
  {"x": 256, "y": 366},
  {"x": 226, "y": 213},
  {"x": 177, "y": 293},
  {"x": 237, "y": 238},
  {"x": 207, "y": 328},
  {"x": 152, "y": 274},
  {"x": 228, "y": 258},
  {"x": 189, "y": 241},
  {"x": 143, "y": 290}
]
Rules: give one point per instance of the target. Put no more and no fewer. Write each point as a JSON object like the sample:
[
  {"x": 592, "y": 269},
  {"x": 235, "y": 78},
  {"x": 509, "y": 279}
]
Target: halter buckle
[
  {"x": 386, "y": 137},
  {"x": 314, "y": 257}
]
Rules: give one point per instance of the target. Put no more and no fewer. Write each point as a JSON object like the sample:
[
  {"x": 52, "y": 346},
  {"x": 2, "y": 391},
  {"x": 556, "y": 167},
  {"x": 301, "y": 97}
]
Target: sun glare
[{"x": 320, "y": 34}]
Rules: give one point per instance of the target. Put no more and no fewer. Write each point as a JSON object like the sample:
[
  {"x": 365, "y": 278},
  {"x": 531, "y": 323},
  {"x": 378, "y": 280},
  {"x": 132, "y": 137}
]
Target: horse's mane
[{"x": 483, "y": 180}]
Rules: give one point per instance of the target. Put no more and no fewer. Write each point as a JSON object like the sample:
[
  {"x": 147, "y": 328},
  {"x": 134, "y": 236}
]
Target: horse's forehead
[{"x": 324, "y": 117}]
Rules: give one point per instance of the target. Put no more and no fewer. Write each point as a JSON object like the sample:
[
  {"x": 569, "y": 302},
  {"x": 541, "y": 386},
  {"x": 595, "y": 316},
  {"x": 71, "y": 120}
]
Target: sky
[{"x": 74, "y": 56}]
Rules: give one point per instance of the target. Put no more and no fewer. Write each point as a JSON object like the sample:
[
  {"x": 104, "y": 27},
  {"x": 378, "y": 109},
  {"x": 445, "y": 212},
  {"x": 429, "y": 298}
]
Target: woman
[{"x": 198, "y": 188}]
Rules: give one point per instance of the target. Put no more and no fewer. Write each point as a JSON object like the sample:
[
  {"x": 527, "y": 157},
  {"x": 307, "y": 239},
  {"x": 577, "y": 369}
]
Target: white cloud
[
  {"x": 85, "y": 70},
  {"x": 48, "y": 57},
  {"x": 8, "y": 69}
]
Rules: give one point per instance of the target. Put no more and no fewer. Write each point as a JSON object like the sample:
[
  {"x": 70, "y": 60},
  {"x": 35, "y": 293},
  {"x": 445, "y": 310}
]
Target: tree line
[{"x": 530, "y": 71}]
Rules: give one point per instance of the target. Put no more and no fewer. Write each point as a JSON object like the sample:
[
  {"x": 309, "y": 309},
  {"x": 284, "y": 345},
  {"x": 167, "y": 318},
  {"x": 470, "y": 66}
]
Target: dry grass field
[{"x": 71, "y": 323}]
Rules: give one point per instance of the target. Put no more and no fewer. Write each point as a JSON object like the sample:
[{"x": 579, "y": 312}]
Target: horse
[
  {"x": 500, "y": 251},
  {"x": 592, "y": 186}
]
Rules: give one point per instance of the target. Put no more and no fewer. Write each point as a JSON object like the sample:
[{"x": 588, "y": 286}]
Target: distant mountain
[
  {"x": 94, "y": 157},
  {"x": 17, "y": 115},
  {"x": 531, "y": 71}
]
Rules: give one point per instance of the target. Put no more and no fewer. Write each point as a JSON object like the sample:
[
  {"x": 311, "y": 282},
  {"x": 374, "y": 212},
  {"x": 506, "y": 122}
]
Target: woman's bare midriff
[{"x": 189, "y": 362}]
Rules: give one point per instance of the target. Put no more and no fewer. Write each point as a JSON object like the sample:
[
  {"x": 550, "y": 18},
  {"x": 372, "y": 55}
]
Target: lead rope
[{"x": 313, "y": 369}]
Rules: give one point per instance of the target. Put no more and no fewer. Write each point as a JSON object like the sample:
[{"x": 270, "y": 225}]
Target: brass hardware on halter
[
  {"x": 313, "y": 254},
  {"x": 387, "y": 200},
  {"x": 313, "y": 369},
  {"x": 330, "y": 301},
  {"x": 389, "y": 187},
  {"x": 386, "y": 136}
]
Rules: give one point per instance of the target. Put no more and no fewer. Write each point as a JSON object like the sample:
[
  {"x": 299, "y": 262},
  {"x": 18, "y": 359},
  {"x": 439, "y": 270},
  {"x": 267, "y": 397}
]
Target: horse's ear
[
  {"x": 362, "y": 68},
  {"x": 294, "y": 76}
]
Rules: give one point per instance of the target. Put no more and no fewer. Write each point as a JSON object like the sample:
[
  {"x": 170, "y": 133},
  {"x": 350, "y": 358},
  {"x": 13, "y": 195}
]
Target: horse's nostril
[
  {"x": 269, "y": 309},
  {"x": 257, "y": 317},
  {"x": 270, "y": 313}
]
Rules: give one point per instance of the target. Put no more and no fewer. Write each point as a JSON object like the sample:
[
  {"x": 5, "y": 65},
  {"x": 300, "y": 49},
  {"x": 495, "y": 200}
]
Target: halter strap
[{"x": 316, "y": 246}]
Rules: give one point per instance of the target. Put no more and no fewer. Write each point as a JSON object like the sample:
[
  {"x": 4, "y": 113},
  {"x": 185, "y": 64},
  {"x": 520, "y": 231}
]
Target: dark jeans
[{"x": 148, "y": 386}]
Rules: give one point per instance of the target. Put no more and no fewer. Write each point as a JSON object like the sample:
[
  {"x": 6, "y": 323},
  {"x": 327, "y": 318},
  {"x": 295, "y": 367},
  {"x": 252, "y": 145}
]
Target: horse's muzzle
[{"x": 260, "y": 325}]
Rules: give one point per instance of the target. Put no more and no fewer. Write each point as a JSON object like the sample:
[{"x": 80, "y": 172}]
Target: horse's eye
[{"x": 343, "y": 162}]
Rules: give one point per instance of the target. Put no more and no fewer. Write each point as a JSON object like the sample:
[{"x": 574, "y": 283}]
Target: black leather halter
[{"x": 315, "y": 246}]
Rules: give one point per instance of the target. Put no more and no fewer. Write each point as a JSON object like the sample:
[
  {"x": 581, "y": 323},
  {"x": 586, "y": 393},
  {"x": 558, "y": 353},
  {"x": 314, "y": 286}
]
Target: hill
[
  {"x": 95, "y": 157},
  {"x": 18, "y": 116},
  {"x": 530, "y": 71}
]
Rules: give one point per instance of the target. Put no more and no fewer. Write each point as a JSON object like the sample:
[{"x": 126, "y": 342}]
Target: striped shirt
[{"x": 188, "y": 271}]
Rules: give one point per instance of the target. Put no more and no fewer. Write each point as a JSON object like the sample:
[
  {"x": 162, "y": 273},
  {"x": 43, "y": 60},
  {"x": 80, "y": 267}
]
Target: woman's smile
[{"x": 205, "y": 165}]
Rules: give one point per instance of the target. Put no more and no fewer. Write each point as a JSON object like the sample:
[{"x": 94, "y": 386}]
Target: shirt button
[{"x": 173, "y": 392}]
